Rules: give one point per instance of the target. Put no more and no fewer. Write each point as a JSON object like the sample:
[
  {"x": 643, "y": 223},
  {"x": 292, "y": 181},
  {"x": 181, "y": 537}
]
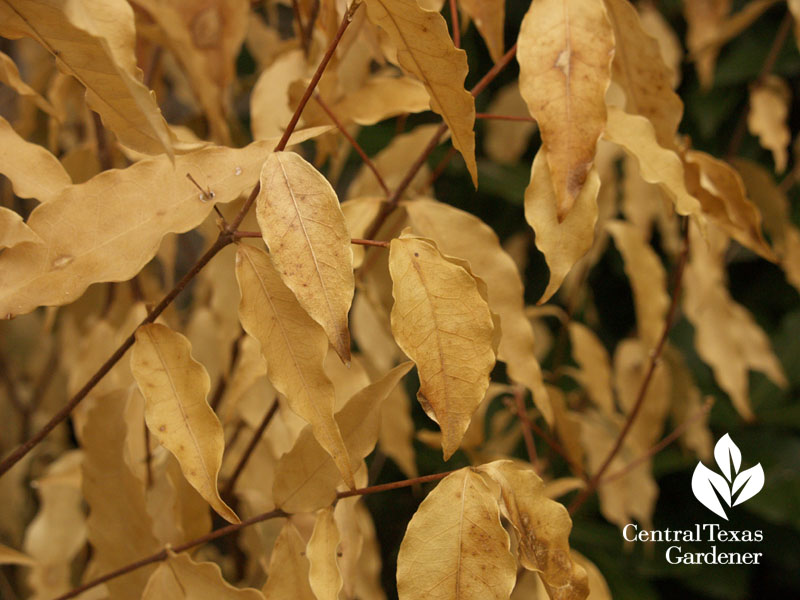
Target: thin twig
[
  {"x": 228, "y": 529},
  {"x": 152, "y": 65},
  {"x": 222, "y": 384},
  {"x": 148, "y": 457},
  {"x": 440, "y": 168},
  {"x": 674, "y": 435},
  {"x": 391, "y": 202},
  {"x": 522, "y": 414},
  {"x": 305, "y": 39},
  {"x": 11, "y": 386},
  {"x": 348, "y": 17},
  {"x": 229, "y": 486},
  {"x": 455, "y": 24},
  {"x": 655, "y": 356},
  {"x": 378, "y": 243},
  {"x": 491, "y": 116},
  {"x": 766, "y": 68},
  {"x": 367, "y": 160},
  {"x": 103, "y": 150},
  {"x": 225, "y": 237},
  {"x": 62, "y": 415}
]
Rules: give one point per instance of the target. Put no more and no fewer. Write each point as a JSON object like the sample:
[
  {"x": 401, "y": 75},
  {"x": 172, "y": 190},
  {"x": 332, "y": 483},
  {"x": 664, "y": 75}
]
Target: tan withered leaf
[
  {"x": 455, "y": 547},
  {"x": 489, "y": 18},
  {"x": 58, "y": 531},
  {"x": 703, "y": 18},
  {"x": 723, "y": 197},
  {"x": 442, "y": 322},
  {"x": 647, "y": 277},
  {"x": 565, "y": 52},
  {"x": 181, "y": 578},
  {"x": 727, "y": 336},
  {"x": 774, "y": 207},
  {"x": 94, "y": 42},
  {"x": 301, "y": 222},
  {"x": 595, "y": 365},
  {"x": 458, "y": 233},
  {"x": 542, "y": 526},
  {"x": 91, "y": 234},
  {"x": 323, "y": 572},
  {"x": 32, "y": 170},
  {"x": 623, "y": 499},
  {"x": 293, "y": 346},
  {"x": 425, "y": 50},
  {"x": 13, "y": 230},
  {"x": 657, "y": 165},
  {"x": 769, "y": 110},
  {"x": 119, "y": 528},
  {"x": 175, "y": 387},
  {"x": 9, "y": 75},
  {"x": 288, "y": 567},
  {"x": 382, "y": 97},
  {"x": 657, "y": 26},
  {"x": 639, "y": 68},
  {"x": 205, "y": 37},
  {"x": 306, "y": 477},
  {"x": 269, "y": 101},
  {"x": 563, "y": 241}
]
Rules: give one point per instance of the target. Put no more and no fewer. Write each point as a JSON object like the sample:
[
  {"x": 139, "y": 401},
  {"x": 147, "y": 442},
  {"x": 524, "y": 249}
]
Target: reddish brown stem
[
  {"x": 228, "y": 529},
  {"x": 504, "y": 117},
  {"x": 378, "y": 243},
  {"x": 222, "y": 384},
  {"x": 522, "y": 413},
  {"x": 305, "y": 37},
  {"x": 455, "y": 24},
  {"x": 440, "y": 168},
  {"x": 148, "y": 457},
  {"x": 674, "y": 435},
  {"x": 392, "y": 201},
  {"x": 348, "y": 17},
  {"x": 103, "y": 151},
  {"x": 225, "y": 238},
  {"x": 62, "y": 415},
  {"x": 655, "y": 356},
  {"x": 229, "y": 486},
  {"x": 366, "y": 159}
]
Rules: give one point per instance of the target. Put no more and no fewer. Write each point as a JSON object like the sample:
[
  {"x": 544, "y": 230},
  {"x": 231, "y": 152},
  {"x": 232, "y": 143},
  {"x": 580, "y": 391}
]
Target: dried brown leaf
[
  {"x": 301, "y": 222},
  {"x": 175, "y": 388},
  {"x": 32, "y": 170},
  {"x": 565, "y": 52},
  {"x": 306, "y": 477},
  {"x": 181, "y": 578},
  {"x": 91, "y": 234},
  {"x": 542, "y": 526},
  {"x": 639, "y": 68},
  {"x": 94, "y": 42},
  {"x": 425, "y": 50},
  {"x": 443, "y": 323},
  {"x": 767, "y": 118},
  {"x": 562, "y": 240},
  {"x": 455, "y": 547},
  {"x": 323, "y": 573},
  {"x": 294, "y": 348},
  {"x": 458, "y": 233}
]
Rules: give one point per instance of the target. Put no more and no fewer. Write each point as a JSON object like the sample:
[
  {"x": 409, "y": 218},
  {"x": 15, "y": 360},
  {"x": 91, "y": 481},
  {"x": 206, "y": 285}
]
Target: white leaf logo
[{"x": 709, "y": 487}]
